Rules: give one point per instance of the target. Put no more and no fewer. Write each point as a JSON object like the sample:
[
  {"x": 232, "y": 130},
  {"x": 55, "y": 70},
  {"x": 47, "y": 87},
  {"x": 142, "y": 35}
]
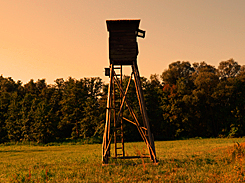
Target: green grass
[{"x": 194, "y": 160}]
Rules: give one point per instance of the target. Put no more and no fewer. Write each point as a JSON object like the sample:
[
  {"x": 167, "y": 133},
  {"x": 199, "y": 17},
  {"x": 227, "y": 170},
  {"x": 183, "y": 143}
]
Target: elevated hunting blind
[
  {"x": 123, "y": 47},
  {"x": 123, "y": 51}
]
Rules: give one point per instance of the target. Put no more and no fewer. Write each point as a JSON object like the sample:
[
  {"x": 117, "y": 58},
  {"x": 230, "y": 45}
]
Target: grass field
[{"x": 194, "y": 160}]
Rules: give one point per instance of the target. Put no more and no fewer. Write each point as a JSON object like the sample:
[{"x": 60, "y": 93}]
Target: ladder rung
[
  {"x": 119, "y": 148},
  {"x": 119, "y": 134},
  {"x": 119, "y": 131}
]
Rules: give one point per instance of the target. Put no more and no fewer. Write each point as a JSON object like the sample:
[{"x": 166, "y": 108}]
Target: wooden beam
[{"x": 134, "y": 123}]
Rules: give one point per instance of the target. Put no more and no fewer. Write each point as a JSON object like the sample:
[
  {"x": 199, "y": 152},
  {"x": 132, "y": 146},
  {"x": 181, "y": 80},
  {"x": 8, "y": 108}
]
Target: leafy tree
[
  {"x": 11, "y": 93},
  {"x": 92, "y": 117},
  {"x": 172, "y": 107},
  {"x": 238, "y": 103},
  {"x": 203, "y": 67},
  {"x": 13, "y": 119},
  {"x": 229, "y": 68},
  {"x": 43, "y": 127},
  {"x": 4, "y": 104},
  {"x": 152, "y": 93},
  {"x": 71, "y": 107},
  {"x": 188, "y": 101},
  {"x": 27, "y": 117},
  {"x": 177, "y": 70},
  {"x": 31, "y": 87},
  {"x": 205, "y": 84},
  {"x": 222, "y": 105}
]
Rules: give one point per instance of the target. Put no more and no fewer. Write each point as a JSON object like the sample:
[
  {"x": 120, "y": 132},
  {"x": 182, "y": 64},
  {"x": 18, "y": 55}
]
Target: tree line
[{"x": 186, "y": 100}]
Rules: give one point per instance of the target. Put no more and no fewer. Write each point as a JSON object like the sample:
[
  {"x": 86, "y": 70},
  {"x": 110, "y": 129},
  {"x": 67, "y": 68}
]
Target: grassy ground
[{"x": 195, "y": 160}]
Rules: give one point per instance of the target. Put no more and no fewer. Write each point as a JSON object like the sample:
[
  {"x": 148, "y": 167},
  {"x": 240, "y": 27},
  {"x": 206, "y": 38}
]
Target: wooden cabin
[{"x": 123, "y": 47}]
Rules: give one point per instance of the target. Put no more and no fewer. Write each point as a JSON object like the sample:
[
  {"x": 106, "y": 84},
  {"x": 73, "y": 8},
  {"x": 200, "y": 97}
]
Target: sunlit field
[{"x": 193, "y": 160}]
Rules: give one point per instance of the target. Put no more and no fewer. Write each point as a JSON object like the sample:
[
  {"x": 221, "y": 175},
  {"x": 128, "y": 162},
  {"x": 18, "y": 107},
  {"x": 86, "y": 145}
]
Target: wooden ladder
[{"x": 118, "y": 123}]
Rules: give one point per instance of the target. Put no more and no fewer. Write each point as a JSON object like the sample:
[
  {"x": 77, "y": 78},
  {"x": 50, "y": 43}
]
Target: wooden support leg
[
  {"x": 106, "y": 136},
  {"x": 143, "y": 111}
]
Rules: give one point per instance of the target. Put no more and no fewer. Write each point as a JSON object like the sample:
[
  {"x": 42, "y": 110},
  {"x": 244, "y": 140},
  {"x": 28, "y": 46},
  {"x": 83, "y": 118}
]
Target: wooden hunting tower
[
  {"x": 123, "y": 47},
  {"x": 123, "y": 51}
]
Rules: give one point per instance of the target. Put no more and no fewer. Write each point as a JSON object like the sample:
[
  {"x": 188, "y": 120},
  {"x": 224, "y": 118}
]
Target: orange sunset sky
[{"x": 60, "y": 38}]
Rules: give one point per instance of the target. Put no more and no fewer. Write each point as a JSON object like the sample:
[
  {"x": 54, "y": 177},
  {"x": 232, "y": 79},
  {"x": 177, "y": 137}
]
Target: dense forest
[{"x": 187, "y": 100}]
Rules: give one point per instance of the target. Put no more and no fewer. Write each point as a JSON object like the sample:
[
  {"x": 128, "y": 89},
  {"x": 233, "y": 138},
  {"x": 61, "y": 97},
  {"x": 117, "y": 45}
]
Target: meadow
[{"x": 193, "y": 160}]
